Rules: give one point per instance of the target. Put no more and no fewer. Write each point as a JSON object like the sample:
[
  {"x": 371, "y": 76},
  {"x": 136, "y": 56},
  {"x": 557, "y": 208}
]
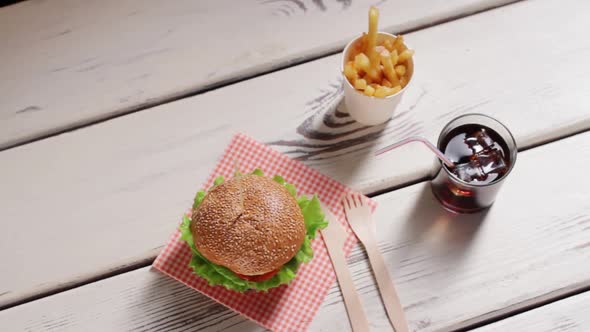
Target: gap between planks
[
  {"x": 222, "y": 83},
  {"x": 545, "y": 300},
  {"x": 148, "y": 259}
]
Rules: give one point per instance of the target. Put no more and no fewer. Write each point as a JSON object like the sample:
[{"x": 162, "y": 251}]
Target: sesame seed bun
[{"x": 250, "y": 224}]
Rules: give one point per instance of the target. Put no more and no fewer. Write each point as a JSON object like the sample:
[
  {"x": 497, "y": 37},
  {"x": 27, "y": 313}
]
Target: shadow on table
[
  {"x": 443, "y": 234},
  {"x": 347, "y": 144}
]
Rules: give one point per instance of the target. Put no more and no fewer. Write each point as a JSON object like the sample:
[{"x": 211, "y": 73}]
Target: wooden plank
[
  {"x": 451, "y": 271},
  {"x": 140, "y": 171},
  {"x": 66, "y": 62},
  {"x": 570, "y": 314}
]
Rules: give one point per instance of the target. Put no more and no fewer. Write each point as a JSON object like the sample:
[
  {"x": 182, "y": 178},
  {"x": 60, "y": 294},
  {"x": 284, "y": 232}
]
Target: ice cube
[
  {"x": 470, "y": 171},
  {"x": 473, "y": 144},
  {"x": 491, "y": 161},
  {"x": 479, "y": 141},
  {"x": 484, "y": 139}
]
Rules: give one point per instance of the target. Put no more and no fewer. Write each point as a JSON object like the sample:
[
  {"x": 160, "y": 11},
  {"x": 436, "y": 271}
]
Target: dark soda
[{"x": 481, "y": 157}]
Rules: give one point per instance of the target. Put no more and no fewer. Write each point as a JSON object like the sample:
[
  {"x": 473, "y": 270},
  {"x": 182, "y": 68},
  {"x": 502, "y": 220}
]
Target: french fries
[
  {"x": 379, "y": 70},
  {"x": 360, "y": 84},
  {"x": 403, "y": 82},
  {"x": 372, "y": 40},
  {"x": 405, "y": 55},
  {"x": 389, "y": 71},
  {"x": 388, "y": 45},
  {"x": 369, "y": 91},
  {"x": 398, "y": 44},
  {"x": 400, "y": 70},
  {"x": 350, "y": 71},
  {"x": 361, "y": 62},
  {"x": 394, "y": 57}
]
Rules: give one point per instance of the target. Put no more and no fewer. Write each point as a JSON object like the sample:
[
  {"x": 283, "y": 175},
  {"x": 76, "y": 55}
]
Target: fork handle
[{"x": 391, "y": 300}]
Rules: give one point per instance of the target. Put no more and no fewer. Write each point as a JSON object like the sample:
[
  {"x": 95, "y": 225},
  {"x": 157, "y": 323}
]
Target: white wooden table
[{"x": 112, "y": 114}]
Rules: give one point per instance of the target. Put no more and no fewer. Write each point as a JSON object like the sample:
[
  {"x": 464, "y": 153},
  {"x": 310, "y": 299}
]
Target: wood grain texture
[
  {"x": 451, "y": 271},
  {"x": 66, "y": 63},
  {"x": 567, "y": 315},
  {"x": 139, "y": 172}
]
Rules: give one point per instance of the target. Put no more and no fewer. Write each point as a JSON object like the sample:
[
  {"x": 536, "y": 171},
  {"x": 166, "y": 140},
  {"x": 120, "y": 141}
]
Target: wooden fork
[
  {"x": 361, "y": 221},
  {"x": 335, "y": 237}
]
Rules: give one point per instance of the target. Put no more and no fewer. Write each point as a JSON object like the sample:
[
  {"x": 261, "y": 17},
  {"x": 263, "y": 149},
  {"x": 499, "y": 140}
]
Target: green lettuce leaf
[
  {"x": 258, "y": 172},
  {"x": 220, "y": 275},
  {"x": 218, "y": 180},
  {"x": 199, "y": 198}
]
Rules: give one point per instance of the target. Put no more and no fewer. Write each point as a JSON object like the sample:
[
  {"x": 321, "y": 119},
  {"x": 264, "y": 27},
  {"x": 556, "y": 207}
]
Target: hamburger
[{"x": 251, "y": 232}]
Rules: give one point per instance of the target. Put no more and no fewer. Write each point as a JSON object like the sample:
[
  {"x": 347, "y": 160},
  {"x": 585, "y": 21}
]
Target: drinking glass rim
[{"x": 473, "y": 184}]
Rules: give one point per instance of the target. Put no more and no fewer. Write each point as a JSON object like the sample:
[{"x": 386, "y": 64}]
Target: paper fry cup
[{"x": 362, "y": 108}]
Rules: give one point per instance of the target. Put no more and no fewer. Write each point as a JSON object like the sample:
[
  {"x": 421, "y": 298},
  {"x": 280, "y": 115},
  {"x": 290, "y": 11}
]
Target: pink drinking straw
[{"x": 429, "y": 145}]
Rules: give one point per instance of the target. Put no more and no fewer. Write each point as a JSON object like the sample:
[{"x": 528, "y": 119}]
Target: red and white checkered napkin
[{"x": 288, "y": 307}]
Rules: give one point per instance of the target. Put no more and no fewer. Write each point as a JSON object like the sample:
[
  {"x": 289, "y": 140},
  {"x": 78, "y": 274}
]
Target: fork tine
[
  {"x": 351, "y": 200},
  {"x": 354, "y": 199},
  {"x": 346, "y": 203},
  {"x": 361, "y": 199},
  {"x": 357, "y": 200}
]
